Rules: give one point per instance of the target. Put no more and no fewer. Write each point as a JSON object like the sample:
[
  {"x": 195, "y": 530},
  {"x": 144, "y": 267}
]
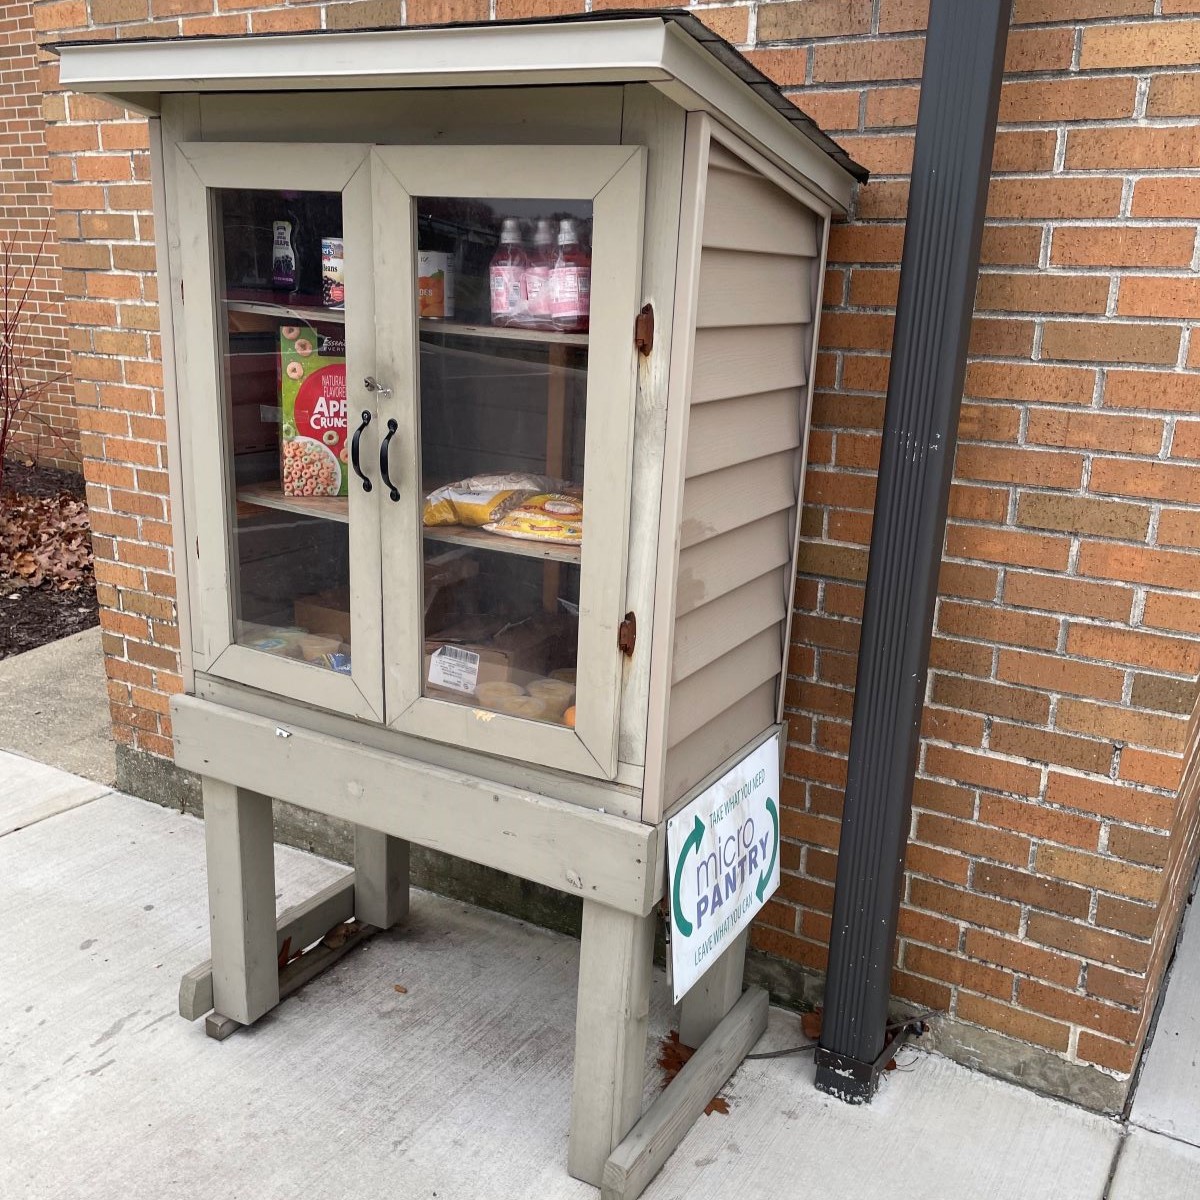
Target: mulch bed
[{"x": 47, "y": 589}]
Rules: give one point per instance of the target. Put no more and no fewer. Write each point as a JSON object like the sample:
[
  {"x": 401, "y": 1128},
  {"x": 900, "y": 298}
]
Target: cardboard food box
[
  {"x": 454, "y": 669},
  {"x": 326, "y": 613},
  {"x": 537, "y": 645},
  {"x": 495, "y": 652},
  {"x": 312, "y": 398}
]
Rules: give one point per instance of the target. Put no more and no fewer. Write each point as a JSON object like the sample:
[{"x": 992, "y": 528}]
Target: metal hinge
[
  {"x": 627, "y": 635},
  {"x": 643, "y": 329}
]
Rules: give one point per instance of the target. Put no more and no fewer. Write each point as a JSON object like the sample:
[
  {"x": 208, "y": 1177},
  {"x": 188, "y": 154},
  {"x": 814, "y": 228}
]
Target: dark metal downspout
[{"x": 956, "y": 129}]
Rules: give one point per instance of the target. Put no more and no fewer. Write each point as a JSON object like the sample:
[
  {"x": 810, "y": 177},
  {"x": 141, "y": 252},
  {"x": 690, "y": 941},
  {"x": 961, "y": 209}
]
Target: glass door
[
  {"x": 278, "y": 303},
  {"x": 508, "y": 318}
]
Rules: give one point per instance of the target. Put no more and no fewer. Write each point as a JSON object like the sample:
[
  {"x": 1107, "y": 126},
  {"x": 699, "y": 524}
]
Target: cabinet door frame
[
  {"x": 613, "y": 179},
  {"x": 200, "y": 167}
]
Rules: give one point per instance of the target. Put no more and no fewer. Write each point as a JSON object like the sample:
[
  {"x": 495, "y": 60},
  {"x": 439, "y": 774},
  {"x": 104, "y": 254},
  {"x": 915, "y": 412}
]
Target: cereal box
[{"x": 312, "y": 394}]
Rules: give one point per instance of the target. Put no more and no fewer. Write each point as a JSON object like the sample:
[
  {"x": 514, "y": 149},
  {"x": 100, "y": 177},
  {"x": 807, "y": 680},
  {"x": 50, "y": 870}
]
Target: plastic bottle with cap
[
  {"x": 507, "y": 274},
  {"x": 570, "y": 281},
  {"x": 537, "y": 277}
]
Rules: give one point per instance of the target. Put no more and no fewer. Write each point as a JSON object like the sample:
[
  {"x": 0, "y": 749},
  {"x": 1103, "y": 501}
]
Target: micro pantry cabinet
[{"x": 489, "y": 356}]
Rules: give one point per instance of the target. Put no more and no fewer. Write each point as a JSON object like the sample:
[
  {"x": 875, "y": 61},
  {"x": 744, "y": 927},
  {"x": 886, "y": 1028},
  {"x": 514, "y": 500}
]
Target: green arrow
[
  {"x": 693, "y": 839},
  {"x": 766, "y": 876}
]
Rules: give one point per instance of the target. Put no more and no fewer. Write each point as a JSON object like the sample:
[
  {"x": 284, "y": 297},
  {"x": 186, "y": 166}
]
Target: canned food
[
  {"x": 435, "y": 284},
  {"x": 333, "y": 279}
]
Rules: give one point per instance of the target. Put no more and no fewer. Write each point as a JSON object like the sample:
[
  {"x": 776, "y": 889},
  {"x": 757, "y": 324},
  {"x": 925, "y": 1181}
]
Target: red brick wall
[
  {"x": 47, "y": 432},
  {"x": 1047, "y": 861},
  {"x": 1064, "y": 660}
]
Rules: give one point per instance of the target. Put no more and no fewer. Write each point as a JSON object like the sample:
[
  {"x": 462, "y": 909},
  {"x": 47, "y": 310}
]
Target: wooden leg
[
  {"x": 380, "y": 878},
  {"x": 239, "y": 843},
  {"x": 717, "y": 991},
  {"x": 610, "y": 1035},
  {"x": 665, "y": 1123}
]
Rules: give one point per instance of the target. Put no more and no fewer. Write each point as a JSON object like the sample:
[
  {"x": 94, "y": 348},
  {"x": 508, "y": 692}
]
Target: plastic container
[
  {"x": 570, "y": 281},
  {"x": 529, "y": 707},
  {"x": 492, "y": 694},
  {"x": 556, "y": 694},
  {"x": 283, "y": 256},
  {"x": 537, "y": 277},
  {"x": 506, "y": 275}
]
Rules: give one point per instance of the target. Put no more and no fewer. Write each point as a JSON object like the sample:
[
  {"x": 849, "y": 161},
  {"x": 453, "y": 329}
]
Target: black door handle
[
  {"x": 394, "y": 491},
  {"x": 366, "y": 420}
]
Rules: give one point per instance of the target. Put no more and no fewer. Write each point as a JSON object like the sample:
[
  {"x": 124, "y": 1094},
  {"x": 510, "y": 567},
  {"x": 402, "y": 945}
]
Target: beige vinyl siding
[
  {"x": 742, "y": 467},
  {"x": 723, "y": 434},
  {"x": 695, "y": 757},
  {"x": 712, "y": 568},
  {"x": 716, "y": 628},
  {"x": 736, "y": 361},
  {"x": 735, "y": 496}
]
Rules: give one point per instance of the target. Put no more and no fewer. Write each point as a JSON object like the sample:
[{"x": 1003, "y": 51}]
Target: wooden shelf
[
  {"x": 480, "y": 539},
  {"x": 337, "y": 316},
  {"x": 504, "y": 333},
  {"x": 268, "y": 495},
  {"x": 337, "y": 508},
  {"x": 334, "y": 316}
]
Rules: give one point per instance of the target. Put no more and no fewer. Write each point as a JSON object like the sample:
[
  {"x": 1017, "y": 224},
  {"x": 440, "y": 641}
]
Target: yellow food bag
[
  {"x": 550, "y": 517},
  {"x": 481, "y": 499}
]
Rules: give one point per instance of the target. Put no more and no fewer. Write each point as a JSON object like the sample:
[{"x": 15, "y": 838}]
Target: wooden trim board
[
  {"x": 303, "y": 923},
  {"x": 635, "y": 1162},
  {"x": 595, "y": 855},
  {"x": 295, "y": 975},
  {"x": 679, "y": 389}
]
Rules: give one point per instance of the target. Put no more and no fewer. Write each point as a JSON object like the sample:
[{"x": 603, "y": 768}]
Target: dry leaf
[
  {"x": 672, "y": 1057},
  {"x": 810, "y": 1025},
  {"x": 336, "y": 937},
  {"x": 46, "y": 538}
]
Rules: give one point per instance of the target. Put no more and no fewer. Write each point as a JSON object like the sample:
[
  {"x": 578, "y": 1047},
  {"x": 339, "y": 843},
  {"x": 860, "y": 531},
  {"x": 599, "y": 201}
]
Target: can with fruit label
[{"x": 435, "y": 285}]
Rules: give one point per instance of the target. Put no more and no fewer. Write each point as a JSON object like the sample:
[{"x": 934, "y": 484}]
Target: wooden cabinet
[
  {"x": 688, "y": 455},
  {"x": 537, "y": 706},
  {"x": 319, "y": 579}
]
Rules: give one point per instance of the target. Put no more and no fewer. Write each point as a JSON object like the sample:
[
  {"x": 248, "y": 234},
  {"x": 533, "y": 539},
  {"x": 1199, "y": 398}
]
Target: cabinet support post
[
  {"x": 714, "y": 994},
  {"x": 380, "y": 878},
  {"x": 611, "y": 1018},
  {"x": 240, "y": 850}
]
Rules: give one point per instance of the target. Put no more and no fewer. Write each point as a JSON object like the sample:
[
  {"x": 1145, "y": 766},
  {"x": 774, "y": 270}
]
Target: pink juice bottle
[
  {"x": 507, "y": 275},
  {"x": 537, "y": 277},
  {"x": 570, "y": 281}
]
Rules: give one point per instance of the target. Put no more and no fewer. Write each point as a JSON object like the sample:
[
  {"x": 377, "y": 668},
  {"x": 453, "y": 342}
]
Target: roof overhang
[{"x": 672, "y": 51}]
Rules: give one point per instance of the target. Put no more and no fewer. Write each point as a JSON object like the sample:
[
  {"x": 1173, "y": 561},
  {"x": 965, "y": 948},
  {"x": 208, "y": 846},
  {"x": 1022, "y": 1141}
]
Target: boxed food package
[
  {"x": 443, "y": 576},
  {"x": 536, "y": 645},
  {"x": 456, "y": 669},
  {"x": 312, "y": 396},
  {"x": 326, "y": 614},
  {"x": 481, "y": 650}
]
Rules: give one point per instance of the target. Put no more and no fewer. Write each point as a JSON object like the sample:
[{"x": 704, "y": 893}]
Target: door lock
[{"x": 373, "y": 385}]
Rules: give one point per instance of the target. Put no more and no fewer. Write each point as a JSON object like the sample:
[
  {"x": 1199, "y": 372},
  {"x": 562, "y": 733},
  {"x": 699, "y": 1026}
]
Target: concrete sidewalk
[
  {"x": 54, "y": 706},
  {"x": 458, "y": 1087}
]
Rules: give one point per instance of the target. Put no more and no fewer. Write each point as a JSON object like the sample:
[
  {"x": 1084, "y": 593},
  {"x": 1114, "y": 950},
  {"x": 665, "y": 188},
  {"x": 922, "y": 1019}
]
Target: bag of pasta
[
  {"x": 549, "y": 517},
  {"x": 481, "y": 498}
]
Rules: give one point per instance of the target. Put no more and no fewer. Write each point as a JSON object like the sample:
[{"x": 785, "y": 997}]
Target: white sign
[{"x": 722, "y": 862}]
